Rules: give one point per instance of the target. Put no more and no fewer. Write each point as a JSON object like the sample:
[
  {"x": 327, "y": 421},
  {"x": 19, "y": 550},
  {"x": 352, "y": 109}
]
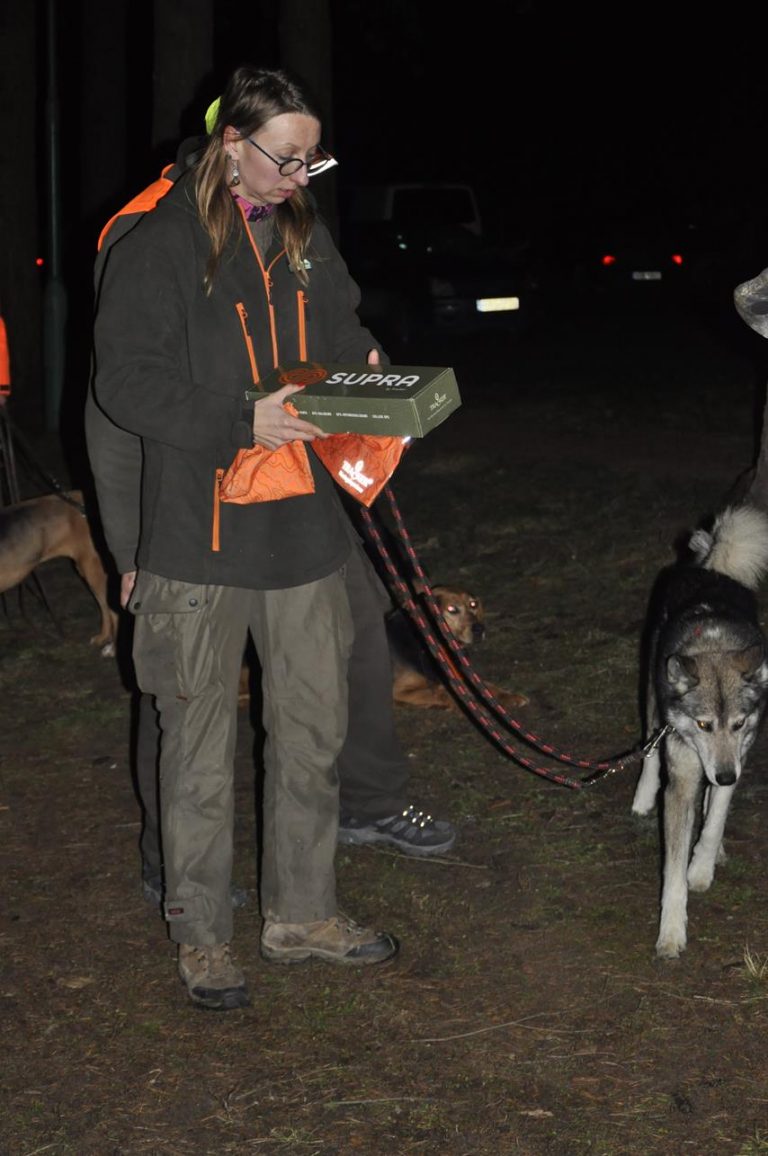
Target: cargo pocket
[
  {"x": 167, "y": 614},
  {"x": 155, "y": 595}
]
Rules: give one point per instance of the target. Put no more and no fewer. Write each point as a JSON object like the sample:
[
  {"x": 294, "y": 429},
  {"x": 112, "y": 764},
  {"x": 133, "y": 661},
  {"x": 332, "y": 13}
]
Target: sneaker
[
  {"x": 211, "y": 976},
  {"x": 152, "y": 890},
  {"x": 337, "y": 940},
  {"x": 411, "y": 831}
]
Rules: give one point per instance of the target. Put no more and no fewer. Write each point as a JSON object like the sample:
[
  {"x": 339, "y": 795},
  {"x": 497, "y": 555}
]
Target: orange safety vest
[
  {"x": 5, "y": 362},
  {"x": 142, "y": 203}
]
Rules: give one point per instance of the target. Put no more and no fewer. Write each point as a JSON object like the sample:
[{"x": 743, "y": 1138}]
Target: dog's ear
[
  {"x": 441, "y": 593},
  {"x": 752, "y": 664},
  {"x": 477, "y": 608},
  {"x": 682, "y": 672}
]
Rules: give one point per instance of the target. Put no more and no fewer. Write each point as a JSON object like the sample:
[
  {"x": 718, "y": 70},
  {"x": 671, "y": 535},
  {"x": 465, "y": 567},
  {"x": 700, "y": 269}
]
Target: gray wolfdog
[{"x": 708, "y": 679}]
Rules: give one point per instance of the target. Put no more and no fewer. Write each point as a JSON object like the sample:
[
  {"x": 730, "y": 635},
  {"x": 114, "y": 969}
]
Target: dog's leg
[
  {"x": 508, "y": 699},
  {"x": 411, "y": 689},
  {"x": 648, "y": 784},
  {"x": 720, "y": 857},
  {"x": 708, "y": 849},
  {"x": 679, "y": 817}
]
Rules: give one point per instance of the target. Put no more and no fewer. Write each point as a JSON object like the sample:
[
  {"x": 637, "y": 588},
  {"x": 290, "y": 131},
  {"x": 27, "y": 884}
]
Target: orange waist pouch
[{"x": 262, "y": 475}]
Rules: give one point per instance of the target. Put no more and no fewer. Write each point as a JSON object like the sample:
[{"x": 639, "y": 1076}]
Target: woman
[{"x": 230, "y": 273}]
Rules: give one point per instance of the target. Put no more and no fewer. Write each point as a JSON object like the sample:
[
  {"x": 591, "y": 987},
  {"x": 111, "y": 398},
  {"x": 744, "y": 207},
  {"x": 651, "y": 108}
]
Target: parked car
[
  {"x": 636, "y": 256},
  {"x": 415, "y": 204},
  {"x": 424, "y": 265}
]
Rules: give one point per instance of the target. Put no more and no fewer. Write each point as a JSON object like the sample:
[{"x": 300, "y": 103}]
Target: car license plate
[
  {"x": 497, "y": 304},
  {"x": 646, "y": 275}
]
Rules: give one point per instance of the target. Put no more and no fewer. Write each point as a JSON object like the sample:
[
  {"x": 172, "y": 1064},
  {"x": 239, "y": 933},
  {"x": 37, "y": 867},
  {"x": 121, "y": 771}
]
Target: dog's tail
[{"x": 737, "y": 545}]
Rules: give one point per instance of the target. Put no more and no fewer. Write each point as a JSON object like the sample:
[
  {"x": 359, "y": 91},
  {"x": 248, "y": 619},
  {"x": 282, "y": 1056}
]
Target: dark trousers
[{"x": 373, "y": 773}]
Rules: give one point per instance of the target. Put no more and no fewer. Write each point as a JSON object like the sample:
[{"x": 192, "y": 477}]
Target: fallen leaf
[{"x": 76, "y": 982}]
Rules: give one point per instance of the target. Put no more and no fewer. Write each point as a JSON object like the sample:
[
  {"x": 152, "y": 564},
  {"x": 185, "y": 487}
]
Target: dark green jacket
[{"x": 171, "y": 368}]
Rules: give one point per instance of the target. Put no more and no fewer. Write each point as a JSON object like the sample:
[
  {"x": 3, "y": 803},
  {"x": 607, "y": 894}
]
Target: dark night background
[{"x": 560, "y": 116}]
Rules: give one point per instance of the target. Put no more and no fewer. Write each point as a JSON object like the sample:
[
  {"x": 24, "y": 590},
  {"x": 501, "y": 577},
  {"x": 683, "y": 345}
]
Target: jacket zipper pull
[{"x": 216, "y": 529}]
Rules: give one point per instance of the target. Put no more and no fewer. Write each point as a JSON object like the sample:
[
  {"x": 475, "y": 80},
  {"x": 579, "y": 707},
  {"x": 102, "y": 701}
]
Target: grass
[
  {"x": 756, "y": 1144},
  {"x": 756, "y": 964}
]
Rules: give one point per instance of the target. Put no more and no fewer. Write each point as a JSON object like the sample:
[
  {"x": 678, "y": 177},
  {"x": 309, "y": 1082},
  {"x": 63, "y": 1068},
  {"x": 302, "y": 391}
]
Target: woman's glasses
[{"x": 318, "y": 163}]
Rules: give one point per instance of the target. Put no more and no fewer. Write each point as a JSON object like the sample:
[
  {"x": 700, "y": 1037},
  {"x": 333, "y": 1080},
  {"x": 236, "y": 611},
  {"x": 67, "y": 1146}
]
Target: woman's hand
[
  {"x": 273, "y": 426},
  {"x": 127, "y": 583}
]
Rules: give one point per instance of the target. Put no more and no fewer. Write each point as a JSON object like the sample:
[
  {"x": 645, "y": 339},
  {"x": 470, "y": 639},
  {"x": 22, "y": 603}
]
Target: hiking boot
[
  {"x": 337, "y": 940},
  {"x": 411, "y": 831},
  {"x": 212, "y": 978},
  {"x": 152, "y": 890}
]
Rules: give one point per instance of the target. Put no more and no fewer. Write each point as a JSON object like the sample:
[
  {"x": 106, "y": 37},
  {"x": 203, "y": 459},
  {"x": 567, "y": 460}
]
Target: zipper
[
  {"x": 242, "y": 313},
  {"x": 268, "y": 288},
  {"x": 267, "y": 285},
  {"x": 301, "y": 303},
  {"x": 216, "y": 528}
]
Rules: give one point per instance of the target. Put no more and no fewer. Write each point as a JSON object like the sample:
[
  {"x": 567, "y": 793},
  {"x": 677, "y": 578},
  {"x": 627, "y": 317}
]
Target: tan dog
[
  {"x": 416, "y": 676},
  {"x": 417, "y": 679},
  {"x": 39, "y": 529}
]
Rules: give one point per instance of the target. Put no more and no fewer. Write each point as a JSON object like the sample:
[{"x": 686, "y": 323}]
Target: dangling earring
[{"x": 235, "y": 179}]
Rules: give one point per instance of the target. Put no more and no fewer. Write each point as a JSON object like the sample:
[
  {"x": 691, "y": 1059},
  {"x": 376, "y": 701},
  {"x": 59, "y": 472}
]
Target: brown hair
[{"x": 251, "y": 98}]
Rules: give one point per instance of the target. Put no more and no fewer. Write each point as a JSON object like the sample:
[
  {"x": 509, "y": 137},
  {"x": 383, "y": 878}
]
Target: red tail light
[
  {"x": 677, "y": 259},
  {"x": 608, "y": 259}
]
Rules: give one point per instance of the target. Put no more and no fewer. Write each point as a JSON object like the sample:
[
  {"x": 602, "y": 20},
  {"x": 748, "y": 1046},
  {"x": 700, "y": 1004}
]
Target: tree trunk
[
  {"x": 305, "y": 48},
  {"x": 183, "y": 58}
]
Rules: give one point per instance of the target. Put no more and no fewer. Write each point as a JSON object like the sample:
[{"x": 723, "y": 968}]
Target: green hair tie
[{"x": 212, "y": 115}]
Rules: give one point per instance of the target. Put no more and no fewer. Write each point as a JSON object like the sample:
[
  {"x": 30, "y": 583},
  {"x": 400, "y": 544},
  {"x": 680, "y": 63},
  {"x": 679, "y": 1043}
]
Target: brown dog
[
  {"x": 416, "y": 676},
  {"x": 417, "y": 680},
  {"x": 39, "y": 529}
]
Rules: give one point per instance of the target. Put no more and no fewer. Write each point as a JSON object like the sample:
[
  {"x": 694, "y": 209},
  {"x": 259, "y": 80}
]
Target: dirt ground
[{"x": 526, "y": 1013}]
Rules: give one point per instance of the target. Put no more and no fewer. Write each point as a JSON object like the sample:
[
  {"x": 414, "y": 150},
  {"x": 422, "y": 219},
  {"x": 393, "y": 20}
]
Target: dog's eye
[
  {"x": 703, "y": 725},
  {"x": 473, "y": 604},
  {"x": 738, "y": 725},
  {"x": 451, "y": 609}
]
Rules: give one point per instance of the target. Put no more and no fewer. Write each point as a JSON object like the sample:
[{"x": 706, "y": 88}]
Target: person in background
[
  {"x": 751, "y": 301},
  {"x": 5, "y": 364}
]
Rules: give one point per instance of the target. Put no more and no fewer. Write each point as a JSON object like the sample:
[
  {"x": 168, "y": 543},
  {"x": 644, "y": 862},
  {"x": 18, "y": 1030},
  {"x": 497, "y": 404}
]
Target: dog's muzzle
[{"x": 725, "y": 778}]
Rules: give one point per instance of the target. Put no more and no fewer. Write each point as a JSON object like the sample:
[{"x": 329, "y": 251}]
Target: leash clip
[
  {"x": 635, "y": 757},
  {"x": 655, "y": 740}
]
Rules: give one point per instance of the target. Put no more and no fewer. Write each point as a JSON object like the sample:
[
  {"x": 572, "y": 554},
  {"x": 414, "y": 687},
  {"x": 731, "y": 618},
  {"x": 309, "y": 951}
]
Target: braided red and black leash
[{"x": 464, "y": 681}]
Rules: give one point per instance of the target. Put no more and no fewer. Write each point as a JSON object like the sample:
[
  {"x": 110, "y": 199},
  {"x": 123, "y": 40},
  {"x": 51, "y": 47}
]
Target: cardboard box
[{"x": 398, "y": 400}]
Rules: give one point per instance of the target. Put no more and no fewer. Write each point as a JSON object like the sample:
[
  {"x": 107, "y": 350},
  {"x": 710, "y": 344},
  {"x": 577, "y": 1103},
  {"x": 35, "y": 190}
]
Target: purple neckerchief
[{"x": 254, "y": 212}]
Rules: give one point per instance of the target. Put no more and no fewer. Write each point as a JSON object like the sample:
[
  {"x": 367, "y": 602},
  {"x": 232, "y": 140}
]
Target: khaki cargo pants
[{"x": 188, "y": 648}]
